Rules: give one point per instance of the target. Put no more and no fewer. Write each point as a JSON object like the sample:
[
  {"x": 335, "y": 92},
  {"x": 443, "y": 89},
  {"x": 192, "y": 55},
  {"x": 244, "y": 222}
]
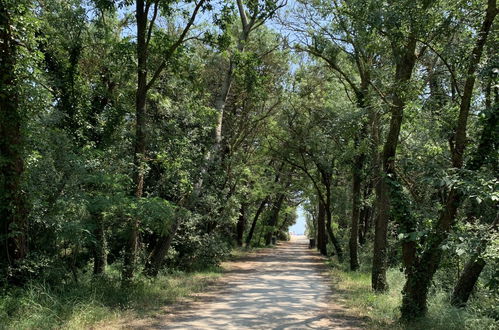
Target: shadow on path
[{"x": 282, "y": 288}]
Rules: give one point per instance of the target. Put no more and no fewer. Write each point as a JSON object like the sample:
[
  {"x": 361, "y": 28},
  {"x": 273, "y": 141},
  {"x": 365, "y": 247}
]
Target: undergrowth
[
  {"x": 382, "y": 311},
  {"x": 93, "y": 300}
]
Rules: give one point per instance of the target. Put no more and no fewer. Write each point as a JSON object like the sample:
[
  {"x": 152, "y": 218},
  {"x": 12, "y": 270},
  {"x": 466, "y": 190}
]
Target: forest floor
[{"x": 276, "y": 288}]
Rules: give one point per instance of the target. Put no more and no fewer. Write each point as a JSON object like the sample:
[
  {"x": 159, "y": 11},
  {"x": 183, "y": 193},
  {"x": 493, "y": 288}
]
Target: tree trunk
[
  {"x": 13, "y": 212},
  {"x": 259, "y": 211},
  {"x": 321, "y": 229},
  {"x": 241, "y": 225},
  {"x": 332, "y": 237},
  {"x": 140, "y": 138},
  {"x": 414, "y": 303},
  {"x": 378, "y": 275},
  {"x": 158, "y": 254},
  {"x": 467, "y": 281},
  {"x": 274, "y": 215},
  {"x": 476, "y": 263},
  {"x": 354, "y": 228},
  {"x": 405, "y": 59}
]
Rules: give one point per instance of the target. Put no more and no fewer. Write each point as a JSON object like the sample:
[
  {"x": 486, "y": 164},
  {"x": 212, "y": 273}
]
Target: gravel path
[{"x": 281, "y": 288}]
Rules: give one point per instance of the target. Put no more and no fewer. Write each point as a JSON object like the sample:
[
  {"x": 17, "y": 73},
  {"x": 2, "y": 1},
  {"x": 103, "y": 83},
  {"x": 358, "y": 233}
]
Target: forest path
[{"x": 281, "y": 288}]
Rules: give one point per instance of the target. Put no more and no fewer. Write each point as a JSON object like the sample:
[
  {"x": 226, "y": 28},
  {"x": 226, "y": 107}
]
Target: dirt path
[{"x": 280, "y": 288}]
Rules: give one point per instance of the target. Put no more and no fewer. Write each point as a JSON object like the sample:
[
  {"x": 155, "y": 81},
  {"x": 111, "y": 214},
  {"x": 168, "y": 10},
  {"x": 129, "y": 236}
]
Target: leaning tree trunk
[
  {"x": 467, "y": 280},
  {"x": 158, "y": 254},
  {"x": 332, "y": 236},
  {"x": 414, "y": 302},
  {"x": 259, "y": 211},
  {"x": 13, "y": 213}
]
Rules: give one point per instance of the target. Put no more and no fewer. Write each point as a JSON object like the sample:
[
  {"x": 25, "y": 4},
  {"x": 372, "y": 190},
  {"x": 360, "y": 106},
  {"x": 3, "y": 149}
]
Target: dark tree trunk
[
  {"x": 13, "y": 212},
  {"x": 321, "y": 229},
  {"x": 158, "y": 254},
  {"x": 332, "y": 237},
  {"x": 140, "y": 137},
  {"x": 259, "y": 211},
  {"x": 476, "y": 263},
  {"x": 414, "y": 303},
  {"x": 326, "y": 177},
  {"x": 273, "y": 216},
  {"x": 467, "y": 281},
  {"x": 405, "y": 59},
  {"x": 241, "y": 225}
]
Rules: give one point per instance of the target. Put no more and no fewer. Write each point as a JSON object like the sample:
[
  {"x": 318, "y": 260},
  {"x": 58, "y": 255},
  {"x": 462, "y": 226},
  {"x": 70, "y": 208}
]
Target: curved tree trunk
[
  {"x": 332, "y": 237},
  {"x": 259, "y": 211}
]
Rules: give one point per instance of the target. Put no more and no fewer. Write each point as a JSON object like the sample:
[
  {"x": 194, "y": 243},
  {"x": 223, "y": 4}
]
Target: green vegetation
[
  {"x": 148, "y": 137},
  {"x": 382, "y": 311},
  {"x": 94, "y": 301}
]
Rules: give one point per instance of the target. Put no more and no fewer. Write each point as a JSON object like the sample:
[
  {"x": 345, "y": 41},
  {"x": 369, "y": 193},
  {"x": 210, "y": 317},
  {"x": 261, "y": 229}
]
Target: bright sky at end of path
[{"x": 299, "y": 227}]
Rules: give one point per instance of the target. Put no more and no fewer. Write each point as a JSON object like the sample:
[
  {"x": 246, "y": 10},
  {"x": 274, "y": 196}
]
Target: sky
[{"x": 299, "y": 227}]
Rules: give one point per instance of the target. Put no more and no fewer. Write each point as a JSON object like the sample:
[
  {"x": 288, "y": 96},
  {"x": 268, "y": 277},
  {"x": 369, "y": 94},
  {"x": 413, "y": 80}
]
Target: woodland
[{"x": 145, "y": 140}]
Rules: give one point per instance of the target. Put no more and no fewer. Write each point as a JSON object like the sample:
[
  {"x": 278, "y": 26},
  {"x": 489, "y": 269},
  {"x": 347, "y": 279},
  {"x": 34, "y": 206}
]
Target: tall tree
[{"x": 13, "y": 211}]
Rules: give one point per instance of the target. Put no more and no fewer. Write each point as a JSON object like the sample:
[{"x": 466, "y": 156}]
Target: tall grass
[
  {"x": 383, "y": 310},
  {"x": 92, "y": 300}
]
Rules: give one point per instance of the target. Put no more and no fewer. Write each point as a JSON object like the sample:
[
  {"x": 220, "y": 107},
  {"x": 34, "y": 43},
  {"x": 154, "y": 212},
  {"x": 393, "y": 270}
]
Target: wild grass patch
[
  {"x": 383, "y": 310},
  {"x": 92, "y": 300}
]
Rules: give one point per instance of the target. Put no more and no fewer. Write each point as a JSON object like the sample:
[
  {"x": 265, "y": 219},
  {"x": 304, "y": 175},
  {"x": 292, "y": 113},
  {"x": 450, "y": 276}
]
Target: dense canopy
[{"x": 145, "y": 137}]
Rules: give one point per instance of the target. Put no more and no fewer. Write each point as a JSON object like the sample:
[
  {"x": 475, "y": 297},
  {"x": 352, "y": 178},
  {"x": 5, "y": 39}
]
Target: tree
[{"x": 13, "y": 210}]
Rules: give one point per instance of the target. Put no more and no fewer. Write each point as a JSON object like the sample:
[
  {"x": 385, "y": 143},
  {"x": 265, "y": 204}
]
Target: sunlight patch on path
[{"x": 281, "y": 288}]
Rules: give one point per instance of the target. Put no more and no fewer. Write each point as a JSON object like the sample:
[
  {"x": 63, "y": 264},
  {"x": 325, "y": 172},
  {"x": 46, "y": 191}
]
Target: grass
[
  {"x": 96, "y": 300},
  {"x": 382, "y": 310}
]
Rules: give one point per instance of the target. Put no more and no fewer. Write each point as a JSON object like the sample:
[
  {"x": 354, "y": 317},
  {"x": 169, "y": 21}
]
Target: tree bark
[
  {"x": 158, "y": 254},
  {"x": 259, "y": 211},
  {"x": 100, "y": 246},
  {"x": 474, "y": 266},
  {"x": 332, "y": 237},
  {"x": 274, "y": 215},
  {"x": 321, "y": 229},
  {"x": 467, "y": 281},
  {"x": 414, "y": 302},
  {"x": 326, "y": 181},
  {"x": 354, "y": 227},
  {"x": 13, "y": 211},
  {"x": 140, "y": 137},
  {"x": 405, "y": 59}
]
